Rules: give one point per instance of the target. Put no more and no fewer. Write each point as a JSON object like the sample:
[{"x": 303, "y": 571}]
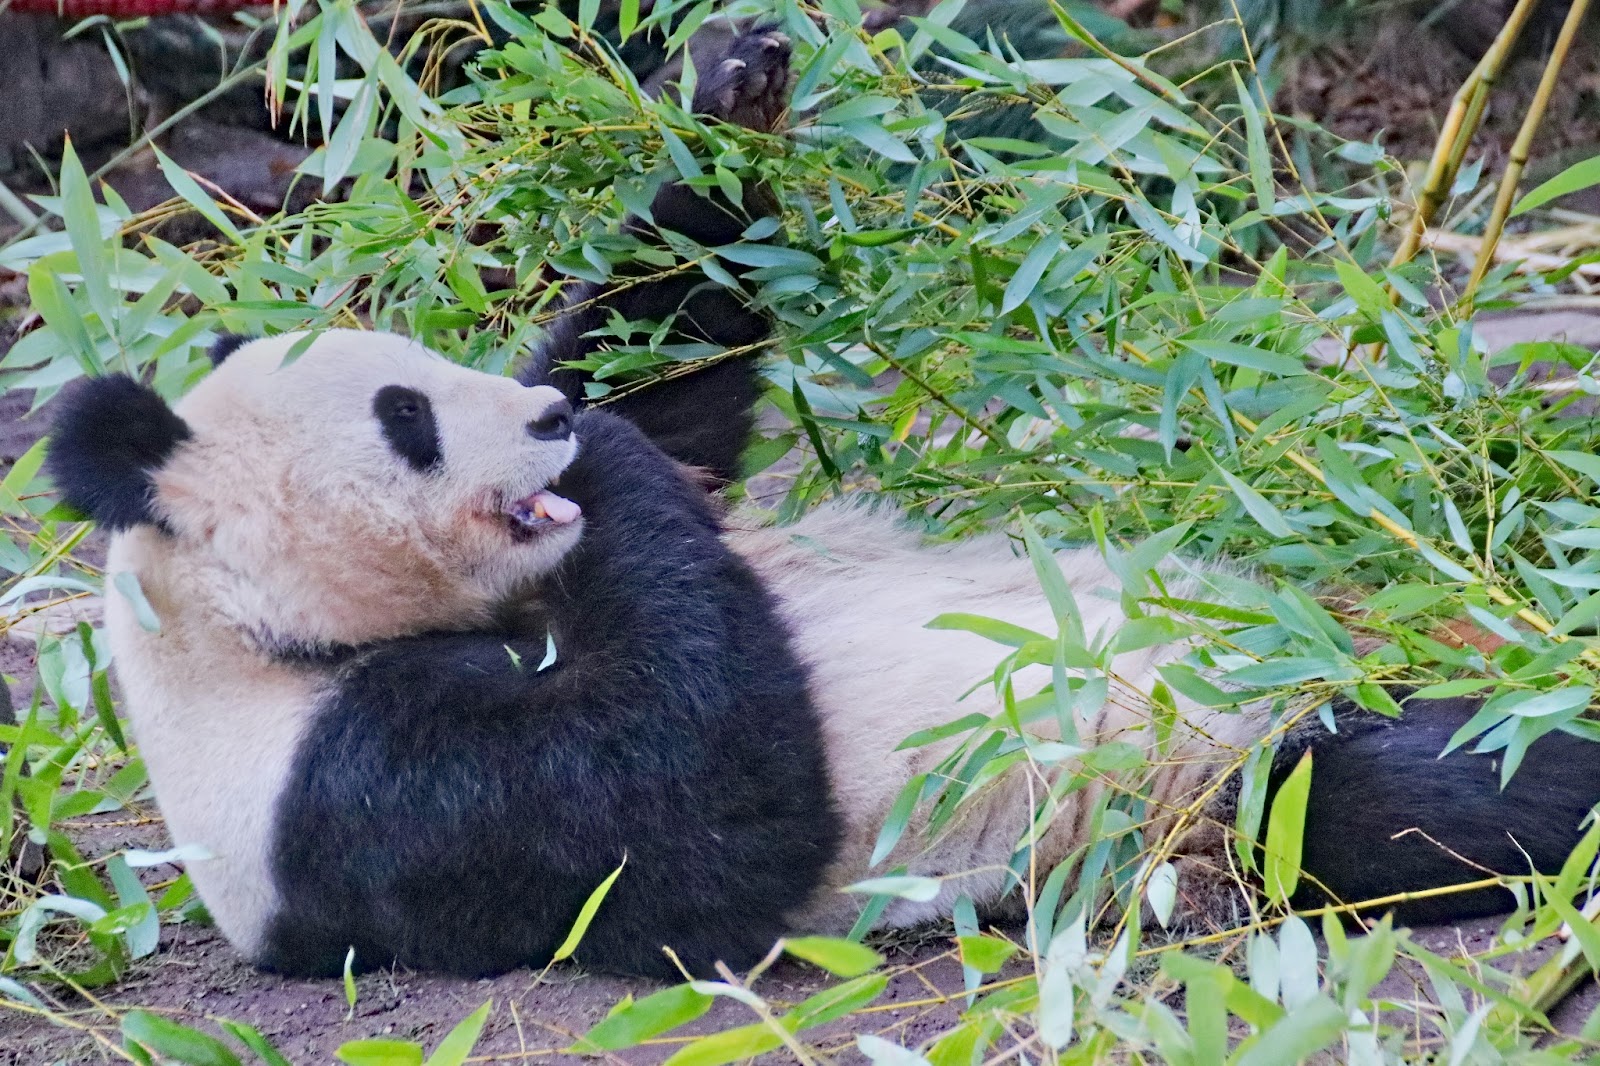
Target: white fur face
[{"x": 310, "y": 525}]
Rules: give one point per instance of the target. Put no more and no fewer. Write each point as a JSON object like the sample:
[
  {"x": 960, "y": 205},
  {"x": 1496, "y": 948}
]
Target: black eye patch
[{"x": 408, "y": 425}]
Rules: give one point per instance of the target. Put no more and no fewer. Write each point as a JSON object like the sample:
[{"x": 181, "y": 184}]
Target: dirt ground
[{"x": 197, "y": 976}]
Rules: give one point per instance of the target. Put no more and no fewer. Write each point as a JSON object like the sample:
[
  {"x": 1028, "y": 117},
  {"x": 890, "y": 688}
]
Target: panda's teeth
[
  {"x": 529, "y": 517},
  {"x": 543, "y": 508}
]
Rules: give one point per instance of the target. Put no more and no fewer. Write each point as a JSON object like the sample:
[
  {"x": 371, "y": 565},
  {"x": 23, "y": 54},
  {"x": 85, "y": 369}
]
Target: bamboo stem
[
  {"x": 1458, "y": 151},
  {"x": 1523, "y": 145},
  {"x": 1545, "y": 988},
  {"x": 1460, "y": 123}
]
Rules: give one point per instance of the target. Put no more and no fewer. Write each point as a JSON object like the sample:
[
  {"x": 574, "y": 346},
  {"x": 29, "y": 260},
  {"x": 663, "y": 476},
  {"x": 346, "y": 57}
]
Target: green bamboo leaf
[
  {"x": 1261, "y": 179},
  {"x": 20, "y": 476},
  {"x": 682, "y": 158},
  {"x": 1584, "y": 463},
  {"x": 355, "y": 126},
  {"x": 1254, "y": 777},
  {"x": 1285, "y": 832},
  {"x": 627, "y": 18},
  {"x": 731, "y": 1045},
  {"x": 587, "y": 913},
  {"x": 1032, "y": 268},
  {"x": 143, "y": 935},
  {"x": 1367, "y": 294},
  {"x": 350, "y": 978},
  {"x": 251, "y": 1037},
  {"x": 56, "y": 305},
  {"x": 458, "y": 1043},
  {"x": 196, "y": 197},
  {"x": 1577, "y": 177},
  {"x": 872, "y": 134},
  {"x": 1301, "y": 1034},
  {"x": 174, "y": 1042},
  {"x": 380, "y": 1053},
  {"x": 988, "y": 628},
  {"x": 1248, "y": 356},
  {"x": 82, "y": 218},
  {"x": 1256, "y": 505},
  {"x": 633, "y": 1022},
  {"x": 1047, "y": 568},
  {"x": 916, "y": 889},
  {"x": 985, "y": 953},
  {"x": 842, "y": 958},
  {"x": 899, "y": 816}
]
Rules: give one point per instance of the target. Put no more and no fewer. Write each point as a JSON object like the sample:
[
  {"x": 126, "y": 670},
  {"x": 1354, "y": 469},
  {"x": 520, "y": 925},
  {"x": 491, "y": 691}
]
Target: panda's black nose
[{"x": 554, "y": 424}]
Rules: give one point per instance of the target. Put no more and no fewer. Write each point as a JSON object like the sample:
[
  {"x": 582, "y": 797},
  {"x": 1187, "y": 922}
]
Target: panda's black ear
[
  {"x": 107, "y": 437},
  {"x": 225, "y": 345}
]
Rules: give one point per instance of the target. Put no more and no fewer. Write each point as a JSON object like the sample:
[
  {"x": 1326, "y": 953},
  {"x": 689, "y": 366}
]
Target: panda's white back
[{"x": 858, "y": 587}]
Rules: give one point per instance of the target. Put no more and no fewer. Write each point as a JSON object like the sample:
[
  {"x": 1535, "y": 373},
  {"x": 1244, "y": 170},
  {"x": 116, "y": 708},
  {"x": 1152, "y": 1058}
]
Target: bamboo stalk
[
  {"x": 1460, "y": 123},
  {"x": 1523, "y": 145},
  {"x": 1545, "y": 988}
]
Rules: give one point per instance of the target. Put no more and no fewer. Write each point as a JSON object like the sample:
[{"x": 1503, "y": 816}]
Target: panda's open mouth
[{"x": 544, "y": 510}]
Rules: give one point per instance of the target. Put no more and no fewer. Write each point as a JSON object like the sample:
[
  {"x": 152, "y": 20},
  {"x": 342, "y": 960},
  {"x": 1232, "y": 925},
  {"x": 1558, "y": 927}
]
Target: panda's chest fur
[{"x": 218, "y": 726}]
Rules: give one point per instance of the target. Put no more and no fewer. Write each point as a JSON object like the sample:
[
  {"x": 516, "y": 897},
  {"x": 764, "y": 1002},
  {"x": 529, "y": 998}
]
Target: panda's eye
[{"x": 406, "y": 418}]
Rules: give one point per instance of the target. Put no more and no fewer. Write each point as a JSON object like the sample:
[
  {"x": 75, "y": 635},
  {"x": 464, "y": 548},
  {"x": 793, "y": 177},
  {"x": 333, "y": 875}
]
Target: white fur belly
[
  {"x": 857, "y": 590},
  {"x": 218, "y": 733}
]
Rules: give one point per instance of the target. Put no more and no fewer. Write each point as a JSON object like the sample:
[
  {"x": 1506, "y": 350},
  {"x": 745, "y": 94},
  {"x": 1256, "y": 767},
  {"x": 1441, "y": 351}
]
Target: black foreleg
[{"x": 703, "y": 418}]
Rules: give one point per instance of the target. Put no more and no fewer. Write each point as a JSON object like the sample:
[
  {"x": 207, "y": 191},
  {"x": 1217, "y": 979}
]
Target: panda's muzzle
[{"x": 528, "y": 517}]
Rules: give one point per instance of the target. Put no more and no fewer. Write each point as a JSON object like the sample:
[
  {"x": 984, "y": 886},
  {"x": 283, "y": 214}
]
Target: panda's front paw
[{"x": 749, "y": 84}]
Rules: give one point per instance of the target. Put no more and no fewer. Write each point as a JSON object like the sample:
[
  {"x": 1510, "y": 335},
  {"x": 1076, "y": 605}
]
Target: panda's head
[{"x": 350, "y": 488}]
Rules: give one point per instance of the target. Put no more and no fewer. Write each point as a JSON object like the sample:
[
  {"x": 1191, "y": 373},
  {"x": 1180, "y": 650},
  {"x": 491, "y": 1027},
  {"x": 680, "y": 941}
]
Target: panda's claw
[{"x": 749, "y": 85}]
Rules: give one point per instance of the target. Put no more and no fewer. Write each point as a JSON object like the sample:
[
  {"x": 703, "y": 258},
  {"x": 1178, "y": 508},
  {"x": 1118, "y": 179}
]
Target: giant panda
[
  {"x": 407, "y": 699},
  {"x": 418, "y": 656}
]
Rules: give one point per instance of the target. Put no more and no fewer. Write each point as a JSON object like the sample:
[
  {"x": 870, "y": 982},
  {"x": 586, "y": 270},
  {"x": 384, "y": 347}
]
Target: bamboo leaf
[
  {"x": 586, "y": 914},
  {"x": 842, "y": 958},
  {"x": 1261, "y": 179},
  {"x": 1285, "y": 832},
  {"x": 1257, "y": 507},
  {"x": 196, "y": 197},
  {"x": 1577, "y": 177},
  {"x": 459, "y": 1042}
]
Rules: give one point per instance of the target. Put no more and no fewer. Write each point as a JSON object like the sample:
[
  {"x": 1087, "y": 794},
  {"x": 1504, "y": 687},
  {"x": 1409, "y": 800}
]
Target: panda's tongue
[
  {"x": 558, "y": 509},
  {"x": 545, "y": 506}
]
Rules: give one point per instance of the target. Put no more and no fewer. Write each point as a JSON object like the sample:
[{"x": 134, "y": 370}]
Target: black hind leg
[
  {"x": 1386, "y": 815},
  {"x": 703, "y": 418}
]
